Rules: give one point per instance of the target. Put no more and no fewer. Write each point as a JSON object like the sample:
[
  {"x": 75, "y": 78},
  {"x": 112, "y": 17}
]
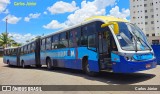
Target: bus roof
[
  {"x": 106, "y": 18},
  {"x": 88, "y": 20}
]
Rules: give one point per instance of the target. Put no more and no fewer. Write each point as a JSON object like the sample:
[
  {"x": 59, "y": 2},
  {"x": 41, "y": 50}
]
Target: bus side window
[
  {"x": 78, "y": 36},
  {"x": 55, "y": 41},
  {"x": 92, "y": 42},
  {"x": 33, "y": 47},
  {"x": 8, "y": 51},
  {"x": 13, "y": 53},
  {"x": 74, "y": 37},
  {"x": 21, "y": 50},
  {"x": 4, "y": 52},
  {"x": 63, "y": 43},
  {"x": 29, "y": 48},
  {"x": 71, "y": 40},
  {"x": 83, "y": 38},
  {"x": 87, "y": 29},
  {"x": 25, "y": 49},
  {"x": 48, "y": 43},
  {"x": 43, "y": 43}
]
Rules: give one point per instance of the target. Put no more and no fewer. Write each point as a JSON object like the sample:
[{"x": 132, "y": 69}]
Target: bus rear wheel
[
  {"x": 38, "y": 66},
  {"x": 87, "y": 70},
  {"x": 23, "y": 64},
  {"x": 49, "y": 64},
  {"x": 8, "y": 63}
]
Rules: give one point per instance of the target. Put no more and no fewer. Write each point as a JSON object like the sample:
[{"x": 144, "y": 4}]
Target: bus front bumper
[{"x": 129, "y": 66}]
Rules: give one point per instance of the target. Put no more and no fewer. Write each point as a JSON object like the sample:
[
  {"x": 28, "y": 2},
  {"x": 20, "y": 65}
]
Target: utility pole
[{"x": 6, "y": 33}]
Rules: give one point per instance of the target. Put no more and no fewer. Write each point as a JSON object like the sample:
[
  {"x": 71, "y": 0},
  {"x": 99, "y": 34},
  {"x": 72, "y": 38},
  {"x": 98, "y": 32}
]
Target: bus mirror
[{"x": 114, "y": 25}]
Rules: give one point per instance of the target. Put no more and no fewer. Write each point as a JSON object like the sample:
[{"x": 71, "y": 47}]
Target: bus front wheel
[
  {"x": 87, "y": 70},
  {"x": 49, "y": 64}
]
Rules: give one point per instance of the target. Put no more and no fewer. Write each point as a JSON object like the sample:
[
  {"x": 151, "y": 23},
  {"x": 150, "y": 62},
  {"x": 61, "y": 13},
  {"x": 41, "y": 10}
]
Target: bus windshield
[{"x": 131, "y": 38}]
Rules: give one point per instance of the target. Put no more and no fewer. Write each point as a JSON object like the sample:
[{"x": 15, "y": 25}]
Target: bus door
[
  {"x": 37, "y": 52},
  {"x": 104, "y": 50},
  {"x": 18, "y": 56}
]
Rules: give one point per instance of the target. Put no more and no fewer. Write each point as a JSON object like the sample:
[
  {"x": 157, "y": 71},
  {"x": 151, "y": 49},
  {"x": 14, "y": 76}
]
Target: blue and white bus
[
  {"x": 99, "y": 43},
  {"x": 11, "y": 56}
]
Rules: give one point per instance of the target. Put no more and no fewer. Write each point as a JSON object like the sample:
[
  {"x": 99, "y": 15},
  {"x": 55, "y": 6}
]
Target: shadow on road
[{"x": 105, "y": 77}]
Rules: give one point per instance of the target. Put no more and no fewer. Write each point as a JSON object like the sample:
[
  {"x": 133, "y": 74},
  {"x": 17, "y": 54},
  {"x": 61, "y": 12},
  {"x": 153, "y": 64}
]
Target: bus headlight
[{"x": 129, "y": 58}]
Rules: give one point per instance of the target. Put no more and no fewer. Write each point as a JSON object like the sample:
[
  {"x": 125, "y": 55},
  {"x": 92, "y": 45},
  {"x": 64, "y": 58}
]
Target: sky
[{"x": 30, "y": 18}]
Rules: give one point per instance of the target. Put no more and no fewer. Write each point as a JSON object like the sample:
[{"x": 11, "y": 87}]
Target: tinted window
[
  {"x": 32, "y": 47},
  {"x": 14, "y": 52},
  {"x": 29, "y": 48},
  {"x": 8, "y": 51},
  {"x": 55, "y": 41},
  {"x": 63, "y": 40},
  {"x": 92, "y": 42},
  {"x": 74, "y": 37},
  {"x": 43, "y": 44},
  {"x": 48, "y": 43},
  {"x": 84, "y": 37},
  {"x": 4, "y": 52},
  {"x": 22, "y": 51},
  {"x": 25, "y": 49},
  {"x": 98, "y": 26}
]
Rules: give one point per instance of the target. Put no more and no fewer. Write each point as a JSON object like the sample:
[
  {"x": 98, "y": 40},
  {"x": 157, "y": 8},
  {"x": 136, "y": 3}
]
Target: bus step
[{"x": 107, "y": 70}]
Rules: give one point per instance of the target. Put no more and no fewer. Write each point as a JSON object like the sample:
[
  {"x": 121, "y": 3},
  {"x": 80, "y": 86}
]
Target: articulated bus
[{"x": 99, "y": 43}]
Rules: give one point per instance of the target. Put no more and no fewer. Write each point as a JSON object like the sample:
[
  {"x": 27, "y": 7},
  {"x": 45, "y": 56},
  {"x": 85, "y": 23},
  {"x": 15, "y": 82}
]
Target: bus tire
[
  {"x": 87, "y": 71},
  {"x": 49, "y": 64},
  {"x": 38, "y": 66},
  {"x": 8, "y": 63},
  {"x": 23, "y": 64}
]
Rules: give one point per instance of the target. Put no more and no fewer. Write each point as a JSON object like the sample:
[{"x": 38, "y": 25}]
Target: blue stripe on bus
[
  {"x": 74, "y": 60},
  {"x": 63, "y": 53},
  {"x": 29, "y": 59},
  {"x": 115, "y": 57}
]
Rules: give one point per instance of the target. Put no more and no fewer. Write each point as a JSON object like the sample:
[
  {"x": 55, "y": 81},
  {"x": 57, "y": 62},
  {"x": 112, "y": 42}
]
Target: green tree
[
  {"x": 5, "y": 40},
  {"x": 15, "y": 44}
]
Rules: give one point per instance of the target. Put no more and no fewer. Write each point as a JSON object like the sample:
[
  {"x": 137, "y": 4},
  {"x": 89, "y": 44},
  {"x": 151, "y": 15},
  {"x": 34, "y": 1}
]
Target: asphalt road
[{"x": 41, "y": 76}]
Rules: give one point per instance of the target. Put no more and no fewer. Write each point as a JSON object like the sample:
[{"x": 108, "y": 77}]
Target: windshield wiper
[
  {"x": 127, "y": 39},
  {"x": 135, "y": 43},
  {"x": 144, "y": 42},
  {"x": 141, "y": 40}
]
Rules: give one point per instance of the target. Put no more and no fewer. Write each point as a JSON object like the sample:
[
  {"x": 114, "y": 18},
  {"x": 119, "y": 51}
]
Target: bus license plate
[{"x": 148, "y": 65}]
